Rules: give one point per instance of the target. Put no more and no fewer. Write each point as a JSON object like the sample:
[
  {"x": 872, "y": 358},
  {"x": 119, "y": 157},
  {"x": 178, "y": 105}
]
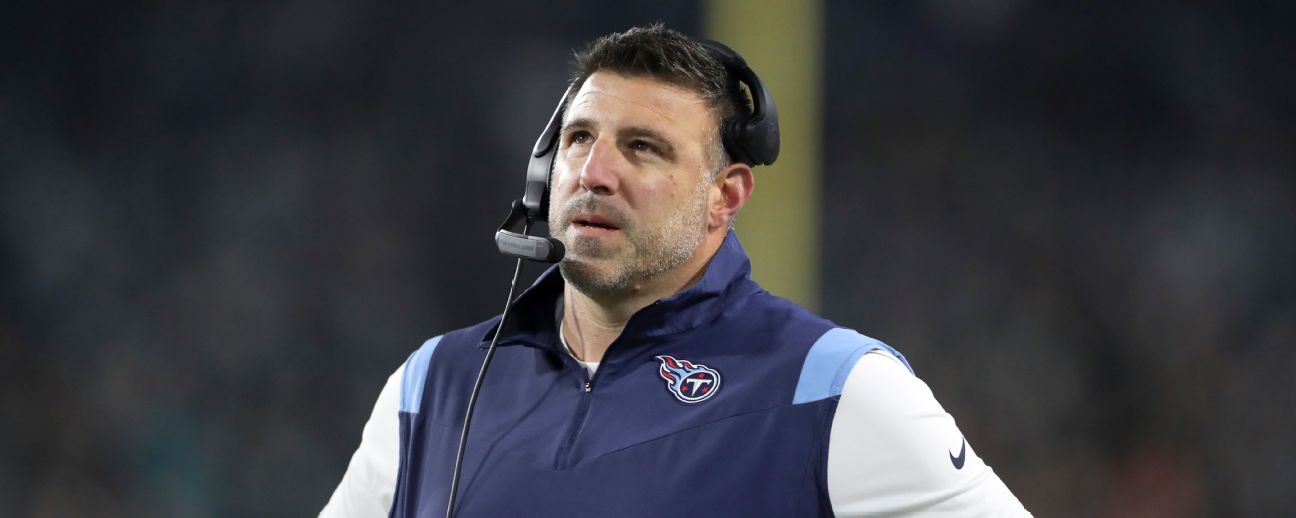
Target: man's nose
[{"x": 602, "y": 168}]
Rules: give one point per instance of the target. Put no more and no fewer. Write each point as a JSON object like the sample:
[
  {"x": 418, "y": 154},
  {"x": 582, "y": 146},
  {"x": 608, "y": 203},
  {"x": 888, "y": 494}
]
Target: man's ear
[{"x": 734, "y": 186}]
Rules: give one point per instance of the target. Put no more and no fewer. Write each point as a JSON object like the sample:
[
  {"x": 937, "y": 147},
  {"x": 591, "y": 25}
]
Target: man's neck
[
  {"x": 590, "y": 326},
  {"x": 592, "y": 323}
]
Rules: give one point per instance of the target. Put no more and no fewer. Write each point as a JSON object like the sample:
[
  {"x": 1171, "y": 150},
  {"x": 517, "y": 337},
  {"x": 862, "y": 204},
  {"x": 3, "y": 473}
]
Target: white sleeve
[
  {"x": 369, "y": 484},
  {"x": 894, "y": 451}
]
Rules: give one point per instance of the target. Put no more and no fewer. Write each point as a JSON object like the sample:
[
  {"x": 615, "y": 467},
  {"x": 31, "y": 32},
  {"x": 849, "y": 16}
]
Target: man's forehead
[{"x": 606, "y": 94}]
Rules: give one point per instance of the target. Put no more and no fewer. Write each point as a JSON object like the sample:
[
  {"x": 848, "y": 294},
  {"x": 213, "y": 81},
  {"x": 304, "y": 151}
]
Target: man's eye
[
  {"x": 640, "y": 145},
  {"x": 580, "y": 137}
]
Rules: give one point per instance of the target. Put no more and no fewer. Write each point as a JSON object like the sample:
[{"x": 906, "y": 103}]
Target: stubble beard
[{"x": 647, "y": 253}]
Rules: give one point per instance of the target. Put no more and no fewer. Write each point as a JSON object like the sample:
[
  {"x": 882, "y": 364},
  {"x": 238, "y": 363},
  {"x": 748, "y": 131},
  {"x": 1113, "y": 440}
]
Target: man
[{"x": 649, "y": 375}]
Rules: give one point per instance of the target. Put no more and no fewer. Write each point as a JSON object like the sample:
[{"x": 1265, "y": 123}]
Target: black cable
[{"x": 472, "y": 399}]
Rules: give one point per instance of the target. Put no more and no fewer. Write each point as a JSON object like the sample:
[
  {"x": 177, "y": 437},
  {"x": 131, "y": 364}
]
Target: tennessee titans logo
[{"x": 688, "y": 382}]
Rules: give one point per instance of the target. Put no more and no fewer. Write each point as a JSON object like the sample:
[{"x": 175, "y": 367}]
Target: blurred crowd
[{"x": 222, "y": 228}]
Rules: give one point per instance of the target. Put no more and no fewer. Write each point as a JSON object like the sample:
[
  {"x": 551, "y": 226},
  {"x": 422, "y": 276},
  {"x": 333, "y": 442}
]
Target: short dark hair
[{"x": 668, "y": 56}]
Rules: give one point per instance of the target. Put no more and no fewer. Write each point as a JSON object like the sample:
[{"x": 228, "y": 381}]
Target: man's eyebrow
[
  {"x": 630, "y": 132},
  {"x": 639, "y": 131},
  {"x": 663, "y": 143},
  {"x": 578, "y": 123}
]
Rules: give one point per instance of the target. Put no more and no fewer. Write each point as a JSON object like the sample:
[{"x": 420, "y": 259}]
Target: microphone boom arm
[{"x": 518, "y": 244}]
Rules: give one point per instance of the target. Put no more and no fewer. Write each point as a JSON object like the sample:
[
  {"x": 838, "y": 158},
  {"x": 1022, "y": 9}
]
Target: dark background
[{"x": 222, "y": 227}]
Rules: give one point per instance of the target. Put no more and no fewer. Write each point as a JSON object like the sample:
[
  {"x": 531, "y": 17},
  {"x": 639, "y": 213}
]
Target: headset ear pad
[
  {"x": 758, "y": 135},
  {"x": 752, "y": 142},
  {"x": 752, "y": 139},
  {"x": 731, "y": 134}
]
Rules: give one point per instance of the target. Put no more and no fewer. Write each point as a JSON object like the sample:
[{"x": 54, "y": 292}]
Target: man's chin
[
  {"x": 589, "y": 276},
  {"x": 583, "y": 265},
  {"x": 592, "y": 249},
  {"x": 595, "y": 245}
]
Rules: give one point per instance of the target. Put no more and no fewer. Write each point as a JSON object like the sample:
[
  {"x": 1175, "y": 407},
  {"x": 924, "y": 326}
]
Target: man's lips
[{"x": 594, "y": 221}]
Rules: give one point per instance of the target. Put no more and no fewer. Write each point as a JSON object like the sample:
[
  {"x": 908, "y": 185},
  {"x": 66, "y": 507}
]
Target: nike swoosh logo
[{"x": 962, "y": 456}]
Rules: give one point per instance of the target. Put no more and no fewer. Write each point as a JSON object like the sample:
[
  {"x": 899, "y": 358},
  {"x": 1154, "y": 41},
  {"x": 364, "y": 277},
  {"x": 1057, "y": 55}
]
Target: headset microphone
[
  {"x": 534, "y": 205},
  {"x": 535, "y": 248}
]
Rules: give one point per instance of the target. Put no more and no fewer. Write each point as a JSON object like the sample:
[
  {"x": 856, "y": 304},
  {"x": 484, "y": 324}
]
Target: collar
[{"x": 728, "y": 275}]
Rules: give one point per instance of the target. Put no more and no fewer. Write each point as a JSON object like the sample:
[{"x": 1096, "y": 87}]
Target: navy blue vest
[{"x": 715, "y": 402}]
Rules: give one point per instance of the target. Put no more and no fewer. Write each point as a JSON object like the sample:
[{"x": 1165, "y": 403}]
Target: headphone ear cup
[
  {"x": 751, "y": 138},
  {"x": 762, "y": 142},
  {"x": 733, "y": 135}
]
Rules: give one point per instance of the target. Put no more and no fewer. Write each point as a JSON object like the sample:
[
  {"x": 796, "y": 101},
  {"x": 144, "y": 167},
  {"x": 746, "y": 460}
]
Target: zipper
[
  {"x": 562, "y": 456},
  {"x": 564, "y": 451}
]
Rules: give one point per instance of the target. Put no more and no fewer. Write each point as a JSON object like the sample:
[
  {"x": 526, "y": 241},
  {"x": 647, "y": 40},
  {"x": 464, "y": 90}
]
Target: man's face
[{"x": 628, "y": 196}]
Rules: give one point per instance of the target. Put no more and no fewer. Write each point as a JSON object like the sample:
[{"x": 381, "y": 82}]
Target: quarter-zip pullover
[{"x": 722, "y": 400}]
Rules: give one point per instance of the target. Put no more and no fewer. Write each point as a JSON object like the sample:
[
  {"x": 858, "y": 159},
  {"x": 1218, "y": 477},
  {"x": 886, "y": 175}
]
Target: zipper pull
[{"x": 589, "y": 385}]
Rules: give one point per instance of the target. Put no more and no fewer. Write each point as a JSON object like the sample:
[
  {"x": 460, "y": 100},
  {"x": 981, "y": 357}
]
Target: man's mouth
[{"x": 594, "y": 221}]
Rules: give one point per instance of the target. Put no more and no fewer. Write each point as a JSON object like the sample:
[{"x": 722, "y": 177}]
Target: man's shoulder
[
  {"x": 829, "y": 350},
  {"x": 472, "y": 334},
  {"x": 450, "y": 354},
  {"x": 455, "y": 342},
  {"x": 778, "y": 316}
]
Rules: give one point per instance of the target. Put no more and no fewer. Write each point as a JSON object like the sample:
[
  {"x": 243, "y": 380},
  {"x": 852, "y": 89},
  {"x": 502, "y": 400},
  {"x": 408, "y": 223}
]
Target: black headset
[{"x": 752, "y": 139}]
